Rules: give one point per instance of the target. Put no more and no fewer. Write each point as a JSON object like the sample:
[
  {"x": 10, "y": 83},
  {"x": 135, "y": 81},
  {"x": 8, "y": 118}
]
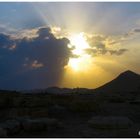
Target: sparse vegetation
[
  {"x": 84, "y": 106},
  {"x": 77, "y": 113}
]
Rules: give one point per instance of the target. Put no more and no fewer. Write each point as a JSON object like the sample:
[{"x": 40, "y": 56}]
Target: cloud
[
  {"x": 131, "y": 33},
  {"x": 6, "y": 41},
  {"x": 4, "y": 28},
  {"x": 34, "y": 64},
  {"x": 96, "y": 41},
  {"x": 36, "y": 58},
  {"x": 37, "y": 62},
  {"x": 136, "y": 30},
  {"x": 101, "y": 45},
  {"x": 118, "y": 52},
  {"x": 97, "y": 52}
]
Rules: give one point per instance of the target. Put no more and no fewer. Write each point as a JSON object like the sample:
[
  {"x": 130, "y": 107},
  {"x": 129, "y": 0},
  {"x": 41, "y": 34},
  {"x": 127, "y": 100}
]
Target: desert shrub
[
  {"x": 3, "y": 133},
  {"x": 2, "y": 102},
  {"x": 40, "y": 124},
  {"x": 135, "y": 102},
  {"x": 110, "y": 122},
  {"x": 34, "y": 112},
  {"x": 117, "y": 100},
  {"x": 11, "y": 126},
  {"x": 6, "y": 102},
  {"x": 30, "y": 101},
  {"x": 84, "y": 106},
  {"x": 61, "y": 99}
]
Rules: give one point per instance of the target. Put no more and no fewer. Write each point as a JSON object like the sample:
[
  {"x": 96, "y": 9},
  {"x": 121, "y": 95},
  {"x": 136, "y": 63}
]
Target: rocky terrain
[{"x": 110, "y": 111}]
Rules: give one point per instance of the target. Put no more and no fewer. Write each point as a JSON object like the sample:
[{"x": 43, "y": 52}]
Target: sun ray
[{"x": 83, "y": 60}]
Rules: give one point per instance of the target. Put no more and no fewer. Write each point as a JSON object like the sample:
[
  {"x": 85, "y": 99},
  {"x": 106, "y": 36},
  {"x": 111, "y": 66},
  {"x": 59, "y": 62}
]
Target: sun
[
  {"x": 80, "y": 43},
  {"x": 82, "y": 60}
]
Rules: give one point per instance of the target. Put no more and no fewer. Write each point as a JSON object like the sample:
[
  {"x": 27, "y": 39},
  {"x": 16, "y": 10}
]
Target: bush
[
  {"x": 84, "y": 106},
  {"x": 117, "y": 100},
  {"x": 110, "y": 122}
]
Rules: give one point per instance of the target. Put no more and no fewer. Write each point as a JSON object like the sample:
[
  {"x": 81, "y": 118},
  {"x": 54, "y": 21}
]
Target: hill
[{"x": 127, "y": 81}]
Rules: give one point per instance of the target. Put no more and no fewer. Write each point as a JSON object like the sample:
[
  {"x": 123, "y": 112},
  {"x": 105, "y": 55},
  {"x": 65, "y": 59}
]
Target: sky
[{"x": 67, "y": 44}]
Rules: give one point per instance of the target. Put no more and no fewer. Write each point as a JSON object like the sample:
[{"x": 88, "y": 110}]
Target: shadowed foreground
[
  {"x": 79, "y": 114},
  {"x": 68, "y": 115}
]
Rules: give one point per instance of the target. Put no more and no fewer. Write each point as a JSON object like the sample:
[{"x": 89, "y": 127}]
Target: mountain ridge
[{"x": 125, "y": 81}]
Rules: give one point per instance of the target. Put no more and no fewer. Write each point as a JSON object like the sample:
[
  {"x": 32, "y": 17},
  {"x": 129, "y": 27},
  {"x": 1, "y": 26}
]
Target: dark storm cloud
[
  {"x": 32, "y": 63},
  {"x": 5, "y": 41}
]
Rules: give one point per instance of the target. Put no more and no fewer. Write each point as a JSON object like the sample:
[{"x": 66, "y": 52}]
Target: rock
[
  {"x": 57, "y": 111},
  {"x": 41, "y": 124},
  {"x": 33, "y": 125},
  {"x": 135, "y": 102},
  {"x": 110, "y": 122},
  {"x": 51, "y": 124},
  {"x": 3, "y": 133},
  {"x": 84, "y": 106},
  {"x": 28, "y": 111},
  {"x": 11, "y": 126}
]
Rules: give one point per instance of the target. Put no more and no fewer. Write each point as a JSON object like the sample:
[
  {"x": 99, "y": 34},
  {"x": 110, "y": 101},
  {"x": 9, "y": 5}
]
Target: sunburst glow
[
  {"x": 80, "y": 43},
  {"x": 81, "y": 63},
  {"x": 83, "y": 60}
]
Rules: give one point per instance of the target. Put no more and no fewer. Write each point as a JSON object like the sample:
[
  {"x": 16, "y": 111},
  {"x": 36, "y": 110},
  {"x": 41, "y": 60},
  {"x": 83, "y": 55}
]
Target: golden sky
[
  {"x": 70, "y": 44},
  {"x": 98, "y": 58}
]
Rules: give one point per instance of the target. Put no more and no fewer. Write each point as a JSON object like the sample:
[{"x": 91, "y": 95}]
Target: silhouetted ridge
[
  {"x": 126, "y": 81},
  {"x": 128, "y": 74}
]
